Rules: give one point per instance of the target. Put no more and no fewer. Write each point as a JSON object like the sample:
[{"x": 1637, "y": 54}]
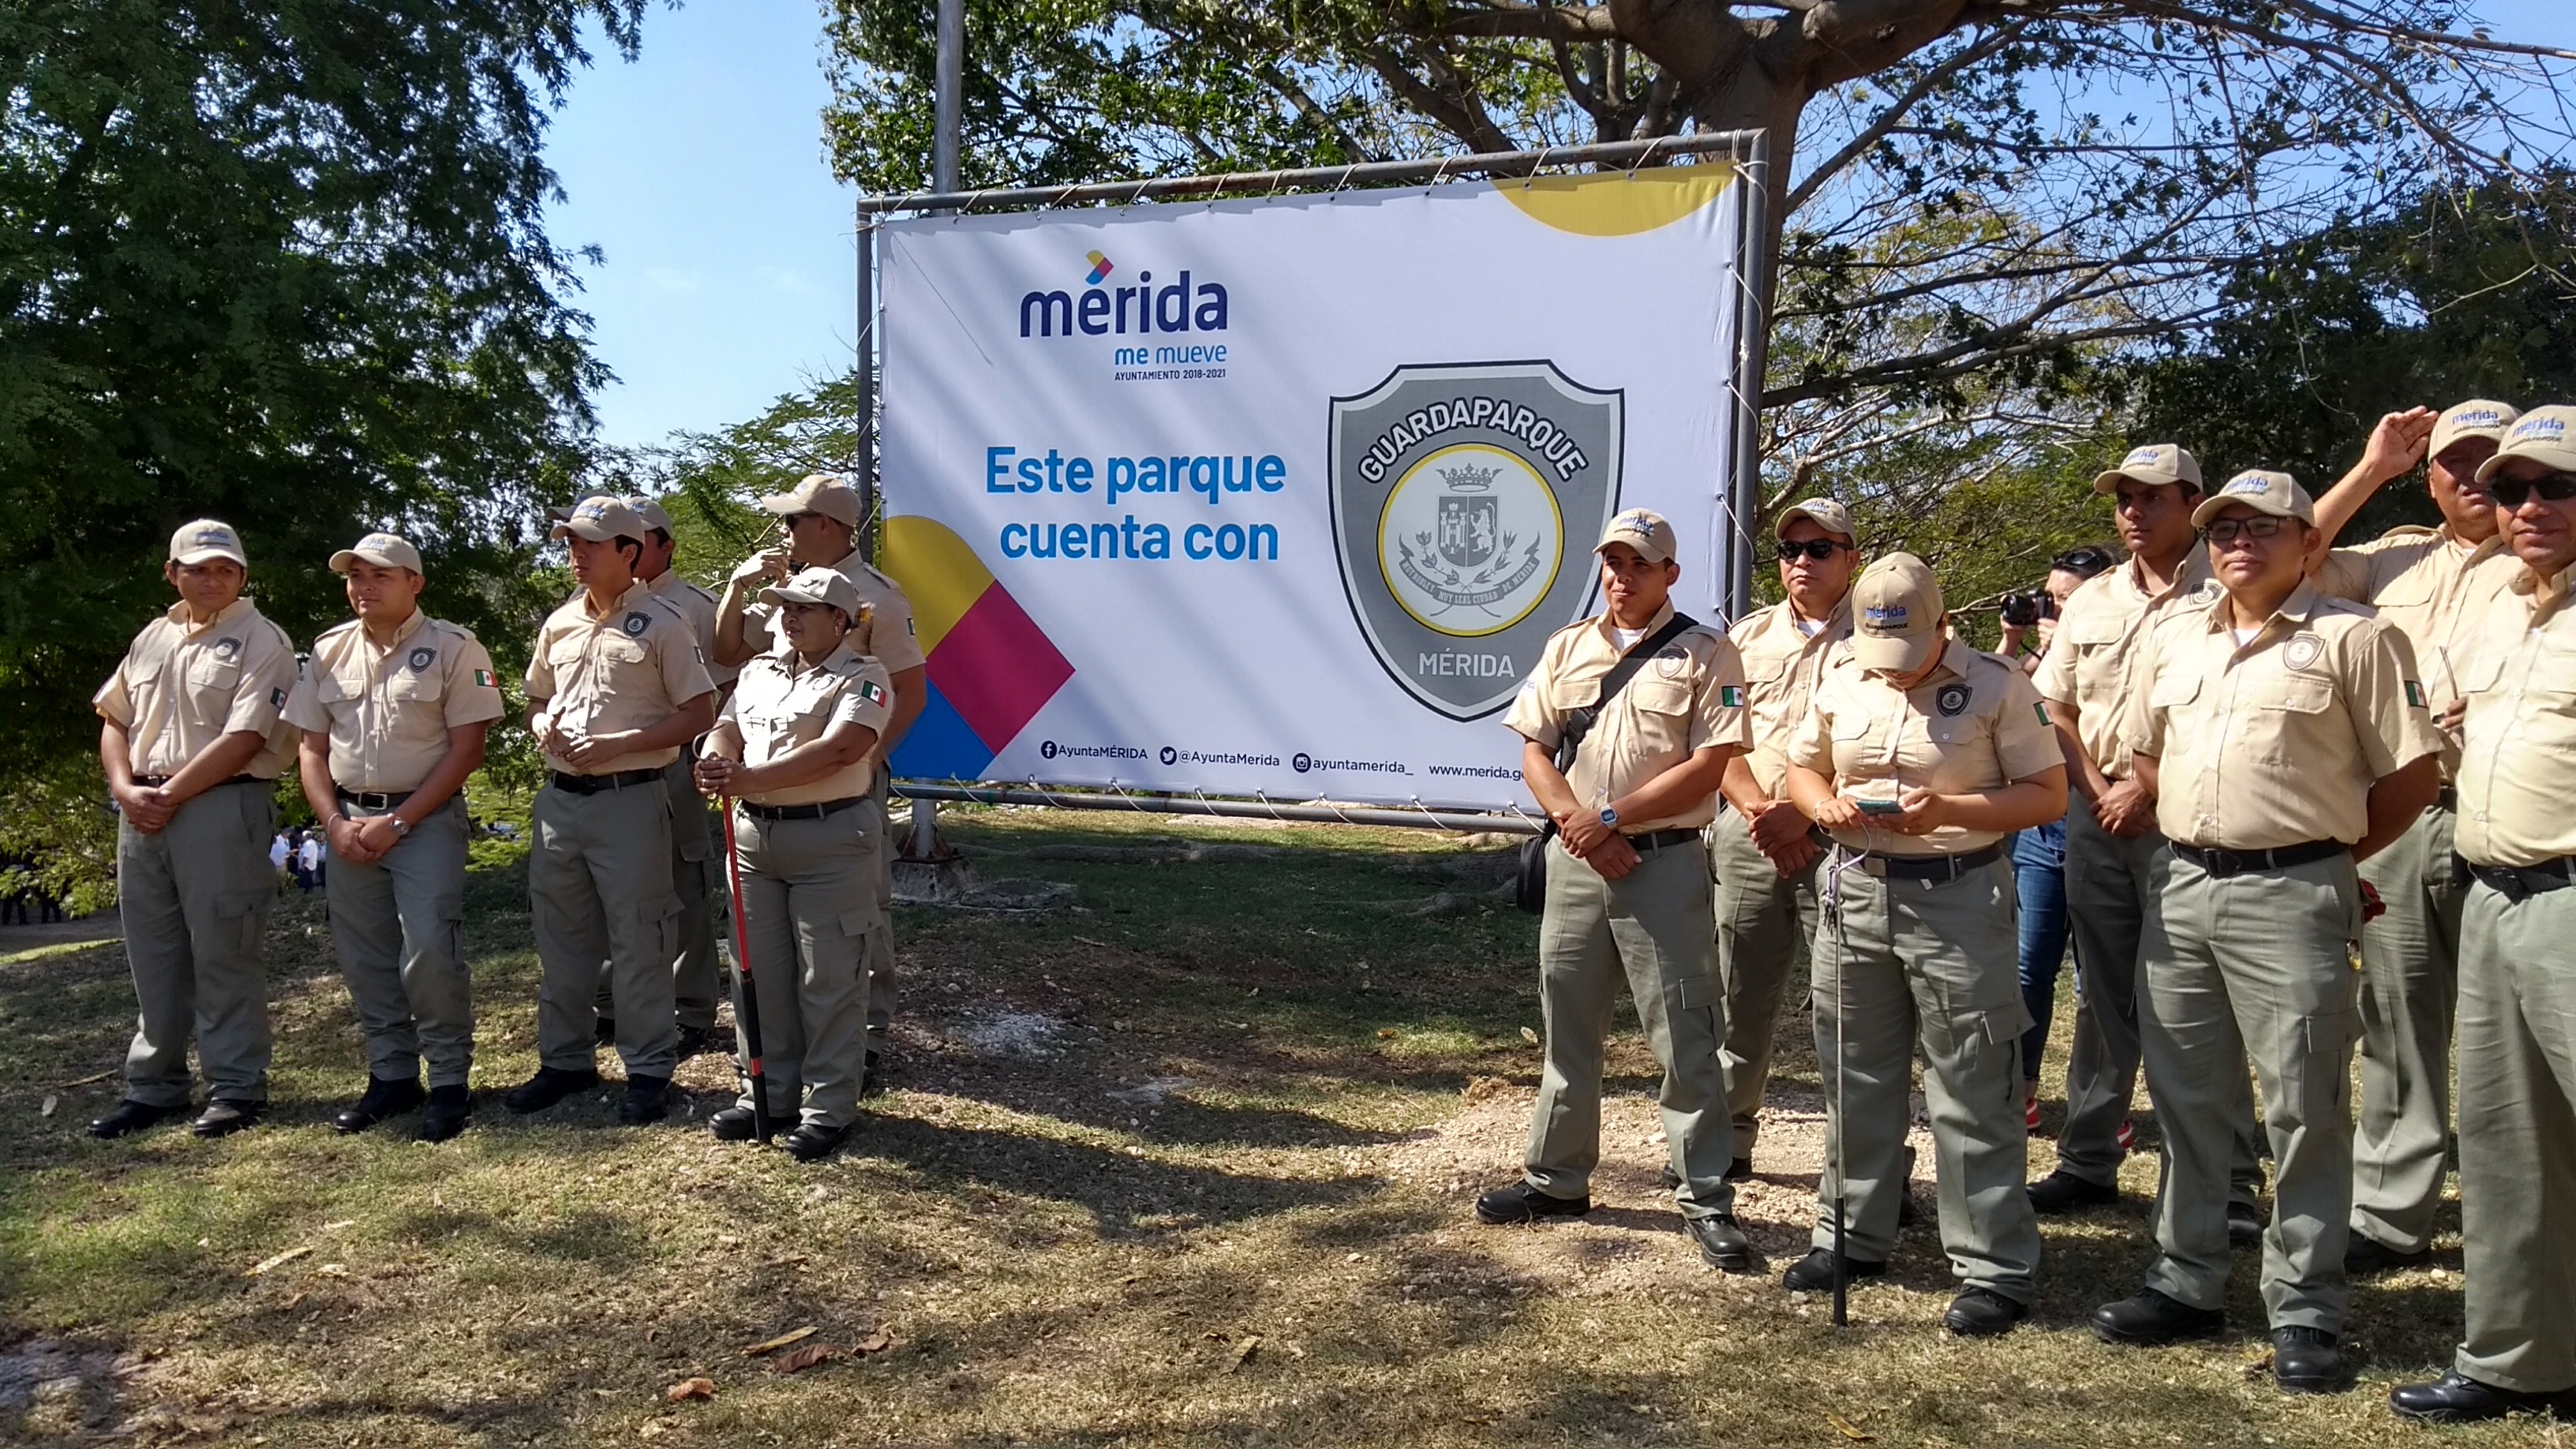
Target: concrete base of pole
[{"x": 927, "y": 869}]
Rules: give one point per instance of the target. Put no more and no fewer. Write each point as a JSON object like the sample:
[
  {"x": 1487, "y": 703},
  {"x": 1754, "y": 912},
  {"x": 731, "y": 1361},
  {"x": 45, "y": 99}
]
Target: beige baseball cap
[
  {"x": 1642, "y": 529},
  {"x": 383, "y": 550},
  {"x": 600, "y": 518},
  {"x": 828, "y": 494},
  {"x": 1824, "y": 513},
  {"x": 2158, "y": 465},
  {"x": 1896, "y": 615},
  {"x": 815, "y": 586},
  {"x": 2546, "y": 436},
  {"x": 205, "y": 539},
  {"x": 2262, "y": 490},
  {"x": 2476, "y": 418},
  {"x": 650, "y": 511}
]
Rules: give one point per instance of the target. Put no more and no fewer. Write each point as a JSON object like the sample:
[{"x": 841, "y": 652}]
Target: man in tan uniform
[
  {"x": 2114, "y": 853},
  {"x": 393, "y": 710},
  {"x": 192, "y": 746},
  {"x": 615, "y": 690},
  {"x": 1765, "y": 853},
  {"x": 796, "y": 748},
  {"x": 1628, "y": 883},
  {"x": 2433, "y": 584},
  {"x": 1921, "y": 754},
  {"x": 820, "y": 519},
  {"x": 2517, "y": 841},
  {"x": 2281, "y": 735}
]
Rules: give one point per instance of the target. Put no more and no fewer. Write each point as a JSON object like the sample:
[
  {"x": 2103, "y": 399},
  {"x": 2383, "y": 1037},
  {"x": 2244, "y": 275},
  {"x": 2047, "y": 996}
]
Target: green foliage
[
  {"x": 710, "y": 481},
  {"x": 55, "y": 824}
]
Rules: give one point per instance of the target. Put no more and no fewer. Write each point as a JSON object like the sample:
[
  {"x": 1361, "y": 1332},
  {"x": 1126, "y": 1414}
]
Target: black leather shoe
[
  {"x": 2152, "y": 1318},
  {"x": 444, "y": 1115},
  {"x": 549, "y": 1086},
  {"x": 133, "y": 1116},
  {"x": 224, "y": 1116},
  {"x": 1982, "y": 1313},
  {"x": 2063, "y": 1192},
  {"x": 647, "y": 1099},
  {"x": 1522, "y": 1203},
  {"x": 2459, "y": 1399},
  {"x": 1722, "y": 1244},
  {"x": 812, "y": 1141},
  {"x": 603, "y": 1031},
  {"x": 1814, "y": 1273},
  {"x": 733, "y": 1124},
  {"x": 2244, "y": 1225},
  {"x": 2366, "y": 1257},
  {"x": 872, "y": 1076},
  {"x": 2306, "y": 1361},
  {"x": 696, "y": 1041},
  {"x": 384, "y": 1097}
]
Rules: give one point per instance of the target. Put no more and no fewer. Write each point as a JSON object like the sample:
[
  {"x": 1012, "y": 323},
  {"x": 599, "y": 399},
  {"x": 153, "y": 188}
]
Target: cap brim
[
  {"x": 205, "y": 555},
  {"x": 2562, "y": 459},
  {"x": 1901, "y": 655},
  {"x": 1646, "y": 551},
  {"x": 2216, "y": 503},
  {"x": 1780, "y": 529},
  {"x": 2110, "y": 482},
  {"x": 340, "y": 561},
  {"x": 595, "y": 532}
]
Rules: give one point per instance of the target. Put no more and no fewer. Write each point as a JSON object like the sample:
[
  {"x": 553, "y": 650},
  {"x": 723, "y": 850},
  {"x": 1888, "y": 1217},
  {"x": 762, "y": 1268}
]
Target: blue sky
[{"x": 729, "y": 268}]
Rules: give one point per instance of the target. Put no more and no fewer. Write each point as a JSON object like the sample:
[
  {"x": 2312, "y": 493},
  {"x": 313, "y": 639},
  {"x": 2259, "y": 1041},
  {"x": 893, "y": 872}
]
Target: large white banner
[{"x": 1283, "y": 497}]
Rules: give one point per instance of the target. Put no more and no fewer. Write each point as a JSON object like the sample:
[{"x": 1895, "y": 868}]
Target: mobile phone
[{"x": 1879, "y": 807}]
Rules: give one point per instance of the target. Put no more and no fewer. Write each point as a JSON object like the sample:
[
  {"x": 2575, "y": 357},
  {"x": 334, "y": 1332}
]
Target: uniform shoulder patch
[
  {"x": 872, "y": 692},
  {"x": 1730, "y": 696},
  {"x": 421, "y": 657},
  {"x": 635, "y": 623},
  {"x": 2303, "y": 651},
  {"x": 1952, "y": 699}
]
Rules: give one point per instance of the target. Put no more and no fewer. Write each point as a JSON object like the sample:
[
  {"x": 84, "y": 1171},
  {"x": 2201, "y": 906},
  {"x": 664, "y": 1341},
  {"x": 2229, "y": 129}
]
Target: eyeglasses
[
  {"x": 2512, "y": 493},
  {"x": 2227, "y": 530},
  {"x": 789, "y": 521},
  {"x": 1819, "y": 549}
]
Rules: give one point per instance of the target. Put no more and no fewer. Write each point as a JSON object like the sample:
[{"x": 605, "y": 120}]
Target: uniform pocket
[
  {"x": 242, "y": 913},
  {"x": 2300, "y": 694},
  {"x": 1702, "y": 990},
  {"x": 2331, "y": 1033}
]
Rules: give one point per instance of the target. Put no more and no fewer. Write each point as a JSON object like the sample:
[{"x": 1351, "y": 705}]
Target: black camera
[{"x": 2024, "y": 610}]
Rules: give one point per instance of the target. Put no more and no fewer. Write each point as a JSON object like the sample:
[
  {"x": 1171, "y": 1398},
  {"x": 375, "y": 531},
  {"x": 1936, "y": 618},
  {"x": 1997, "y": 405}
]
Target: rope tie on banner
[
  {"x": 1536, "y": 167},
  {"x": 1266, "y": 804},
  {"x": 1345, "y": 179},
  {"x": 1213, "y": 812},
  {"x": 1436, "y": 822}
]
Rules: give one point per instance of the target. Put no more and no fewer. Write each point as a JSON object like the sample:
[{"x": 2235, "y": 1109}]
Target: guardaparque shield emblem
[{"x": 1465, "y": 497}]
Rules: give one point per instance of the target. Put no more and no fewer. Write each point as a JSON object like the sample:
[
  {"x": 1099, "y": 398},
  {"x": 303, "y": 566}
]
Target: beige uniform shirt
[
  {"x": 886, "y": 633},
  {"x": 783, "y": 702},
  {"x": 388, "y": 710},
  {"x": 1781, "y": 666},
  {"x": 700, "y": 607},
  {"x": 1689, "y": 697},
  {"x": 2092, "y": 656},
  {"x": 628, "y": 669},
  {"x": 2279, "y": 742},
  {"x": 2425, "y": 583},
  {"x": 2518, "y": 765},
  {"x": 1975, "y": 724},
  {"x": 181, "y": 687}
]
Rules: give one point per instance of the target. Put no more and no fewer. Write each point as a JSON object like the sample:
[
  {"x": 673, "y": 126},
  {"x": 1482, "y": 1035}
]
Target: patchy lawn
[{"x": 1188, "y": 1164}]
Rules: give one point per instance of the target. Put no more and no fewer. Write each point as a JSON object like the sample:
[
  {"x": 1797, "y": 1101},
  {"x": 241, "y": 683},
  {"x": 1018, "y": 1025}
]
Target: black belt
[
  {"x": 815, "y": 811},
  {"x": 155, "y": 782},
  {"x": 1928, "y": 867},
  {"x": 1660, "y": 839},
  {"x": 593, "y": 784},
  {"x": 2224, "y": 863},
  {"x": 2514, "y": 882},
  {"x": 373, "y": 799}
]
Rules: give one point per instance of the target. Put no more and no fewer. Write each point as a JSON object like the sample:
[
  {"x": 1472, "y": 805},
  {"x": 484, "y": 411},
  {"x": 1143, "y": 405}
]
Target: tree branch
[
  {"x": 1533, "y": 22},
  {"x": 1924, "y": 85}
]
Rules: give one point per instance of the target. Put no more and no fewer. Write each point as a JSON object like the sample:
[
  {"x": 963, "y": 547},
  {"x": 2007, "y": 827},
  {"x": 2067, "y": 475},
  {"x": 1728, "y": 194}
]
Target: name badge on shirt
[
  {"x": 1952, "y": 700},
  {"x": 422, "y": 658}
]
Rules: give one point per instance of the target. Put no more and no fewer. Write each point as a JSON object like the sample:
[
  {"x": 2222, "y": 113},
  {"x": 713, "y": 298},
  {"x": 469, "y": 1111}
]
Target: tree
[
  {"x": 1975, "y": 201},
  {"x": 282, "y": 264}
]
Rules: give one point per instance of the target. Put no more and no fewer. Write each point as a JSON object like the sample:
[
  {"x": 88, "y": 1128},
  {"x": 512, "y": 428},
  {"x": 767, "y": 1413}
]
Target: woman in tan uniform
[{"x": 796, "y": 752}]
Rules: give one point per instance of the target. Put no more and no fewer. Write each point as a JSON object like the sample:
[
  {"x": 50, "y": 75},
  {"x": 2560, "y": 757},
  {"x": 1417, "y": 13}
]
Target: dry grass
[{"x": 1189, "y": 1165}]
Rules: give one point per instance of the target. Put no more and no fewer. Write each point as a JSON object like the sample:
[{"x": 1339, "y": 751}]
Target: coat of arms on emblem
[{"x": 1456, "y": 493}]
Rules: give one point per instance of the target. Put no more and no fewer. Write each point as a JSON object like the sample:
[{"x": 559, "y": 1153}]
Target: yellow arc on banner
[{"x": 1620, "y": 203}]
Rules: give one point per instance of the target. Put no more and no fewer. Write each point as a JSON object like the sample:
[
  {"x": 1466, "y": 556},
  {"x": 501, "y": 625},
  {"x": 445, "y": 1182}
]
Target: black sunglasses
[
  {"x": 2511, "y": 493},
  {"x": 1819, "y": 549}
]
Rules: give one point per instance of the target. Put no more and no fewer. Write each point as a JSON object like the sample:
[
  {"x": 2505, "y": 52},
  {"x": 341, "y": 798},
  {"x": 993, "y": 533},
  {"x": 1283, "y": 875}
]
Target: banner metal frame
[{"x": 1749, "y": 151}]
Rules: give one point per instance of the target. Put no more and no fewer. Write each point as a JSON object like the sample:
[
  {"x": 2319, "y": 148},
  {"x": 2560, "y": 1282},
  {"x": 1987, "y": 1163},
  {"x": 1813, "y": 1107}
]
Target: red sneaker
[
  {"x": 2129, "y": 1135},
  {"x": 2030, "y": 1114}
]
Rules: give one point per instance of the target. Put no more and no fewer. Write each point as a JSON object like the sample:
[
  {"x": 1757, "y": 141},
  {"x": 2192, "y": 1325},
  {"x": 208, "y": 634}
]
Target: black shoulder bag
[{"x": 1530, "y": 885}]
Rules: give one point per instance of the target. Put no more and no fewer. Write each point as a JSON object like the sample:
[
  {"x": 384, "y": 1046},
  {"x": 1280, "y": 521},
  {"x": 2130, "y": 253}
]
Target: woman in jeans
[{"x": 2039, "y": 854}]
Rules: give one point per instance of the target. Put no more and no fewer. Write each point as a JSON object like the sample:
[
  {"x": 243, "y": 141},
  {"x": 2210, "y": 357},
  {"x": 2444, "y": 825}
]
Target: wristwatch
[
  {"x": 402, "y": 827},
  {"x": 1609, "y": 817}
]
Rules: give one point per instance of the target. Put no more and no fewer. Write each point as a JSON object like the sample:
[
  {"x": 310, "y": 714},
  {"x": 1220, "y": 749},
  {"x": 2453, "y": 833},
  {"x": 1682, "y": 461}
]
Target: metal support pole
[
  {"x": 1753, "y": 354},
  {"x": 951, "y": 87}
]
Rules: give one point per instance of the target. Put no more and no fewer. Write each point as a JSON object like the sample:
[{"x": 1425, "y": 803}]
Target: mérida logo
[{"x": 1100, "y": 310}]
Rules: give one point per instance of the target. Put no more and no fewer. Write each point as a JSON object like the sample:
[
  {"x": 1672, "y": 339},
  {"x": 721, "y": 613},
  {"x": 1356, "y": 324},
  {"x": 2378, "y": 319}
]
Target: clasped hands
[{"x": 1596, "y": 844}]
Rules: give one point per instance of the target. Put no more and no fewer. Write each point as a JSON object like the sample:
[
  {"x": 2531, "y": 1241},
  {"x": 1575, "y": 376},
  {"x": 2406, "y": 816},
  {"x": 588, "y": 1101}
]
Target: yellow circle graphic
[{"x": 1470, "y": 540}]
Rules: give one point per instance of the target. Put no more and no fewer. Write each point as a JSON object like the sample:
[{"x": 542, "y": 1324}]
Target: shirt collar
[
  {"x": 2299, "y": 608},
  {"x": 1662, "y": 617},
  {"x": 178, "y": 614},
  {"x": 634, "y": 592}
]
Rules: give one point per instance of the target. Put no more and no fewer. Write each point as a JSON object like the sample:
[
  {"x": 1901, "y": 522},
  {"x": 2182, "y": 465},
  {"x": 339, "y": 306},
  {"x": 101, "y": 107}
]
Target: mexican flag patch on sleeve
[
  {"x": 871, "y": 691},
  {"x": 2042, "y": 711},
  {"x": 483, "y": 679},
  {"x": 1731, "y": 696},
  {"x": 2415, "y": 694}
]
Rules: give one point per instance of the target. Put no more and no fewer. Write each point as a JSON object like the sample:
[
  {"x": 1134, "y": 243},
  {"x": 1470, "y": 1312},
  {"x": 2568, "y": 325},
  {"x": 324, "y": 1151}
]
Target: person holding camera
[
  {"x": 2029, "y": 618},
  {"x": 1764, "y": 852},
  {"x": 2114, "y": 855},
  {"x": 1628, "y": 721},
  {"x": 1920, "y": 755}
]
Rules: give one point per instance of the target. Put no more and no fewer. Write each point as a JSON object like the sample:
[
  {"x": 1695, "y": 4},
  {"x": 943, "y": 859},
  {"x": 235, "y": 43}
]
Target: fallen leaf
[
  {"x": 290, "y": 1303},
  {"x": 1848, "y": 1432},
  {"x": 1243, "y": 1351},
  {"x": 690, "y": 1389},
  {"x": 267, "y": 1264},
  {"x": 1131, "y": 1278},
  {"x": 1216, "y": 1335},
  {"x": 648, "y": 1430},
  {"x": 1529, "y": 1036},
  {"x": 1386, "y": 1033},
  {"x": 333, "y": 1270},
  {"x": 342, "y": 1223},
  {"x": 877, "y": 1341},
  {"x": 797, "y": 1360},
  {"x": 773, "y": 1345},
  {"x": 51, "y": 1102}
]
